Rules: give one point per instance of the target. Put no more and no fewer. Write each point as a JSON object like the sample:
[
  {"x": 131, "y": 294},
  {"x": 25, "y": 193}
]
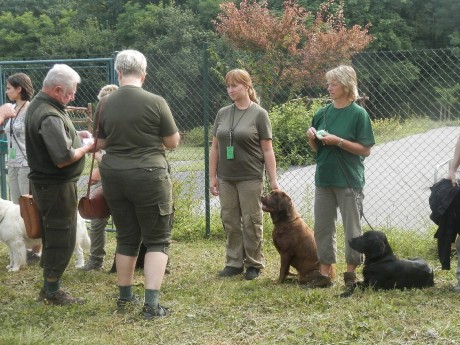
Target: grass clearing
[
  {"x": 211, "y": 310},
  {"x": 208, "y": 310}
]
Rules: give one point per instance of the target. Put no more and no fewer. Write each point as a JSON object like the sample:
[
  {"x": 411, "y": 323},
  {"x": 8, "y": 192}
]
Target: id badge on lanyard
[
  {"x": 11, "y": 153},
  {"x": 231, "y": 148}
]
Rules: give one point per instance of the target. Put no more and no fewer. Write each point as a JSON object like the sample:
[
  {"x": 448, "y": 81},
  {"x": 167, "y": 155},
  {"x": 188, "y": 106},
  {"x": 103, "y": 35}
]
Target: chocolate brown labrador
[{"x": 292, "y": 237}]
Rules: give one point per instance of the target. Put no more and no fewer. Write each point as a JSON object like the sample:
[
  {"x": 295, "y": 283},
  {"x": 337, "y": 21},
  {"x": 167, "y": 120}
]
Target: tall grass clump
[
  {"x": 189, "y": 214},
  {"x": 188, "y": 220},
  {"x": 394, "y": 128}
]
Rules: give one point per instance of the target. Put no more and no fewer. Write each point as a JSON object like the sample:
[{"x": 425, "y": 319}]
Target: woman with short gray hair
[{"x": 135, "y": 128}]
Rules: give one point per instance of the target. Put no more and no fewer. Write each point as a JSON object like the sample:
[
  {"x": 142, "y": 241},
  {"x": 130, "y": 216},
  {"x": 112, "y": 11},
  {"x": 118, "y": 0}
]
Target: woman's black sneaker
[{"x": 230, "y": 271}]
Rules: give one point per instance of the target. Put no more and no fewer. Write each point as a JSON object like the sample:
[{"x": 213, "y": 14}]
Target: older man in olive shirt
[{"x": 56, "y": 160}]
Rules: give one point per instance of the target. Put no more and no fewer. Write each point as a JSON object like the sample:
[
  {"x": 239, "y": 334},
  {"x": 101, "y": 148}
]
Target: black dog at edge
[{"x": 383, "y": 270}]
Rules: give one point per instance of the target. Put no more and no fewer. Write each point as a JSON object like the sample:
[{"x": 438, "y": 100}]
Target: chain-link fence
[
  {"x": 412, "y": 86},
  {"x": 411, "y": 83}
]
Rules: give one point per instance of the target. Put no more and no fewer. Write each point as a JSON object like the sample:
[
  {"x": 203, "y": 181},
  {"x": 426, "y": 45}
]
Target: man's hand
[{"x": 84, "y": 134}]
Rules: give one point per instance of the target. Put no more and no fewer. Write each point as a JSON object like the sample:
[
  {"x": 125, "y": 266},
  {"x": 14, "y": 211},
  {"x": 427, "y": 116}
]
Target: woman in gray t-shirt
[{"x": 241, "y": 149}]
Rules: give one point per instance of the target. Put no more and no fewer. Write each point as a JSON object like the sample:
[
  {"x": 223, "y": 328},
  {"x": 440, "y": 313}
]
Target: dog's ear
[
  {"x": 377, "y": 248},
  {"x": 284, "y": 202}
]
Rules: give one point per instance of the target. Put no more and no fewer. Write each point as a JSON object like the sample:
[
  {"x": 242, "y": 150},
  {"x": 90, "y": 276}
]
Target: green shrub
[
  {"x": 395, "y": 128},
  {"x": 290, "y": 122}
]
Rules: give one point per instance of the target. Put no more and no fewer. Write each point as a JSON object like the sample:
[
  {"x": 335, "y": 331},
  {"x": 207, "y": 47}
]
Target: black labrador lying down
[{"x": 383, "y": 270}]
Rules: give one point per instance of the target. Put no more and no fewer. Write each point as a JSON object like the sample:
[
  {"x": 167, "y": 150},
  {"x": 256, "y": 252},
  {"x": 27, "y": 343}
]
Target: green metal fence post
[
  {"x": 206, "y": 138},
  {"x": 112, "y": 75},
  {"x": 3, "y": 144},
  {"x": 3, "y": 153}
]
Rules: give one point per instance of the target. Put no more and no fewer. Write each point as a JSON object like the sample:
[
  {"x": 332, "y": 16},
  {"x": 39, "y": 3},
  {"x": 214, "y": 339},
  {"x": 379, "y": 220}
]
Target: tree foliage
[
  {"x": 409, "y": 24},
  {"x": 86, "y": 40},
  {"x": 291, "y": 50},
  {"x": 23, "y": 33},
  {"x": 151, "y": 28},
  {"x": 27, "y": 25}
]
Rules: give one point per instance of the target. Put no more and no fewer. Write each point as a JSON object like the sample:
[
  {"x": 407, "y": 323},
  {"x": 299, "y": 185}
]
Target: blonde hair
[
  {"x": 106, "y": 90},
  {"x": 240, "y": 76},
  {"x": 346, "y": 76}
]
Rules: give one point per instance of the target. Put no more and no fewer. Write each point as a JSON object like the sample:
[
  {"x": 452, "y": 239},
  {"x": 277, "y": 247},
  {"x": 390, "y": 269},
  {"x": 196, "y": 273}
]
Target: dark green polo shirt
[{"x": 351, "y": 123}]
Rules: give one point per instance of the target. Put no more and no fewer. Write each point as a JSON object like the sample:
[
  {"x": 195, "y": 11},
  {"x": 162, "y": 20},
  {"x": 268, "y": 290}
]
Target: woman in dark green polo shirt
[{"x": 341, "y": 135}]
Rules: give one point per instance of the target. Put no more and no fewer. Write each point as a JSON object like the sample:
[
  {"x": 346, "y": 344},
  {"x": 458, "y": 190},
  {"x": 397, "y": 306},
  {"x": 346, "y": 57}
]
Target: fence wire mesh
[
  {"x": 407, "y": 85},
  {"x": 410, "y": 83}
]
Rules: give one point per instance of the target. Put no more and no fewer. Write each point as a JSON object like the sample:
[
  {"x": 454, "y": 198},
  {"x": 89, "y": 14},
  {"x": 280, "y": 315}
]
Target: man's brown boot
[
  {"x": 350, "y": 279},
  {"x": 351, "y": 282}
]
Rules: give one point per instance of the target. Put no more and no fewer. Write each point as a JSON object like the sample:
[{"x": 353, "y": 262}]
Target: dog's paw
[
  {"x": 12, "y": 269},
  {"x": 79, "y": 265}
]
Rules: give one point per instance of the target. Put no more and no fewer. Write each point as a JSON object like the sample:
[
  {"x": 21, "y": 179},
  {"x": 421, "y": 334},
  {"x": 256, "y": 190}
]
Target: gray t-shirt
[{"x": 249, "y": 127}]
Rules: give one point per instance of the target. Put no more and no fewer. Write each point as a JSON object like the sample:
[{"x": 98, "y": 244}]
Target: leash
[
  {"x": 357, "y": 196},
  {"x": 98, "y": 117}
]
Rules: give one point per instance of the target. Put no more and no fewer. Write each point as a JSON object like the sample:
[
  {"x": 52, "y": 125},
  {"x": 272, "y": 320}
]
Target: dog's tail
[{"x": 82, "y": 234}]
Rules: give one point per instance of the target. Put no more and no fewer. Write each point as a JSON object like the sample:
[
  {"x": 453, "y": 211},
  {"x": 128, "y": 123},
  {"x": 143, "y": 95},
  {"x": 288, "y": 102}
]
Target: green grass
[
  {"x": 386, "y": 130},
  {"x": 210, "y": 310}
]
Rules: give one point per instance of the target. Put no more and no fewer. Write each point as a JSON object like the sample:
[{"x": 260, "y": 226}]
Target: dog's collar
[
  {"x": 296, "y": 218},
  {"x": 289, "y": 221}
]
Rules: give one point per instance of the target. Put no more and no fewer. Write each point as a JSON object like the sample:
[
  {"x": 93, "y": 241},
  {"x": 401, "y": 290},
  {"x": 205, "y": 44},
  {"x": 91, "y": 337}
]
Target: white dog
[
  {"x": 13, "y": 233},
  {"x": 83, "y": 242}
]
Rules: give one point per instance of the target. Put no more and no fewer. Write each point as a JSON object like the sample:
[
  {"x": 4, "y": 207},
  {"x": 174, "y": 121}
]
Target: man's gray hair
[
  {"x": 61, "y": 75},
  {"x": 131, "y": 62}
]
